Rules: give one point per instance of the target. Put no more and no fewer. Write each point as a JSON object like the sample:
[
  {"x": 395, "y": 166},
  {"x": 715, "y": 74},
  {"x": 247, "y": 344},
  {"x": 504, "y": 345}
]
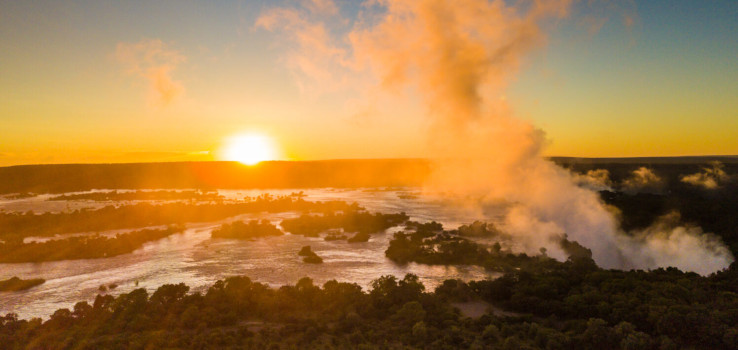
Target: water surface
[{"x": 196, "y": 259}]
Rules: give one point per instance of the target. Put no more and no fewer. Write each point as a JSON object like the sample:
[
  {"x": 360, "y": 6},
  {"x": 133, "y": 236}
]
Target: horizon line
[{"x": 363, "y": 159}]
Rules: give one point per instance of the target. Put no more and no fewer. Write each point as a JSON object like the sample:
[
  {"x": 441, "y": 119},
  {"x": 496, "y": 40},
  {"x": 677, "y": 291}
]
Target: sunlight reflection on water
[{"x": 194, "y": 258}]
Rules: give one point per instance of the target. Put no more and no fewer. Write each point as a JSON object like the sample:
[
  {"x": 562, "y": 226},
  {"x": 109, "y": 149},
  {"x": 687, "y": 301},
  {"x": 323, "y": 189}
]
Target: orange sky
[{"x": 167, "y": 81}]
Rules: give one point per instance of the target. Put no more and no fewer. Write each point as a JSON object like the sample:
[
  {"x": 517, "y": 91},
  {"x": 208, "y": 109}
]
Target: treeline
[
  {"x": 15, "y": 226},
  {"x": 61, "y": 178},
  {"x": 659, "y": 309},
  {"x": 558, "y": 305},
  {"x": 22, "y": 195},
  {"x": 103, "y": 196},
  {"x": 354, "y": 219},
  {"x": 81, "y": 247},
  {"x": 429, "y": 243},
  {"x": 15, "y": 284},
  {"x": 348, "y": 221},
  {"x": 250, "y": 230}
]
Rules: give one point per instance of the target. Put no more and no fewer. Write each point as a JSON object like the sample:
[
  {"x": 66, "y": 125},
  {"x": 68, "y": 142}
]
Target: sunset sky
[{"x": 99, "y": 81}]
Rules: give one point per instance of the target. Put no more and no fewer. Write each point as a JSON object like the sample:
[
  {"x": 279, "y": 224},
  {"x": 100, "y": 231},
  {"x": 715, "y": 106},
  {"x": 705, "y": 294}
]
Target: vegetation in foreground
[
  {"x": 15, "y": 284},
  {"x": 557, "y": 305}
]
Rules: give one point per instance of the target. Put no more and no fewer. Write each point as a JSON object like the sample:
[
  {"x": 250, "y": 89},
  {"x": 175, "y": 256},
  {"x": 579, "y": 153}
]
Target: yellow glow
[{"x": 249, "y": 149}]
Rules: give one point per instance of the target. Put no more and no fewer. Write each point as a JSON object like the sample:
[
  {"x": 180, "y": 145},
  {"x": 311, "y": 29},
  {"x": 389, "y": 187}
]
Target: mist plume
[
  {"x": 460, "y": 56},
  {"x": 643, "y": 180},
  {"x": 595, "y": 180},
  {"x": 709, "y": 178},
  {"x": 684, "y": 246}
]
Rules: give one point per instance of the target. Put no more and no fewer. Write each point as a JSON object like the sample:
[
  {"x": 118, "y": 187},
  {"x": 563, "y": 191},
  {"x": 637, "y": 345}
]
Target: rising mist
[{"x": 460, "y": 57}]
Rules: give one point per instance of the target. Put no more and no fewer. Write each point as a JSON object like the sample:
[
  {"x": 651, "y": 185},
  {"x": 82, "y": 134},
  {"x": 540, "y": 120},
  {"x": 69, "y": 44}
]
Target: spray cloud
[
  {"x": 595, "y": 180},
  {"x": 643, "y": 180},
  {"x": 710, "y": 177},
  {"x": 460, "y": 56}
]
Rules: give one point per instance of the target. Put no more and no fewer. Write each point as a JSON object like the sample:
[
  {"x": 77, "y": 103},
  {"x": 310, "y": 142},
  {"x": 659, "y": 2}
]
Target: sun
[{"x": 250, "y": 149}]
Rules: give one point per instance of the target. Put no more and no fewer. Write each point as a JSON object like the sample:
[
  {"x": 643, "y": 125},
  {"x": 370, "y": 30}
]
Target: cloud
[
  {"x": 592, "y": 24},
  {"x": 323, "y": 7},
  {"x": 710, "y": 178},
  {"x": 311, "y": 55},
  {"x": 628, "y": 21},
  {"x": 154, "y": 61},
  {"x": 597, "y": 13},
  {"x": 642, "y": 180}
]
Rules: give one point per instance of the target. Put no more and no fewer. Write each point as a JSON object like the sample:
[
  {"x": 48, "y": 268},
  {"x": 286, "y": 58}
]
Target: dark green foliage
[
  {"x": 15, "y": 284},
  {"x": 141, "y": 195},
  {"x": 305, "y": 251},
  {"x": 442, "y": 249},
  {"x": 426, "y": 228},
  {"x": 15, "y": 226},
  {"x": 81, "y": 247},
  {"x": 349, "y": 221},
  {"x": 573, "y": 248},
  {"x": 429, "y": 244},
  {"x": 242, "y": 230},
  {"x": 684, "y": 308},
  {"x": 479, "y": 229},
  {"x": 349, "y": 173},
  {"x": 309, "y": 256},
  {"x": 20, "y": 195},
  {"x": 561, "y": 306},
  {"x": 571, "y": 308}
]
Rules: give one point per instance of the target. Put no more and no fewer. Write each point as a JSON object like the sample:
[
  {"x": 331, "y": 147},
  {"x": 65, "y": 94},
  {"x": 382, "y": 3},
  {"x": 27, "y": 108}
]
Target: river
[{"x": 196, "y": 259}]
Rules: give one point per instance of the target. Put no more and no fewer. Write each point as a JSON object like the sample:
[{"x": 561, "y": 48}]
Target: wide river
[{"x": 196, "y": 259}]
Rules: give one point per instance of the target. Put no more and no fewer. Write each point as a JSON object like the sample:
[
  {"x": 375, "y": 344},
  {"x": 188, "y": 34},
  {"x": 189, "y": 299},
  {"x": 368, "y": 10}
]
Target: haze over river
[{"x": 194, "y": 258}]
